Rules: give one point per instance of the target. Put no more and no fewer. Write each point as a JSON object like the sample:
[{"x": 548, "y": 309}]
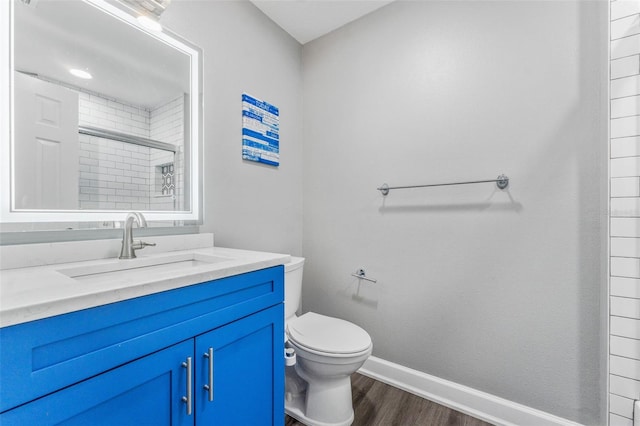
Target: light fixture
[
  {"x": 149, "y": 23},
  {"x": 147, "y": 12},
  {"x": 81, "y": 73}
]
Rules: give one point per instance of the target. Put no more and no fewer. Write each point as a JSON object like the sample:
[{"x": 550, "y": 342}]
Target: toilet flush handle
[{"x": 361, "y": 275}]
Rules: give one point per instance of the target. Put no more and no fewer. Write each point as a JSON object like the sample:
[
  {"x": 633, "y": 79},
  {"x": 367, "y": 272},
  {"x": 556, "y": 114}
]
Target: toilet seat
[{"x": 327, "y": 335}]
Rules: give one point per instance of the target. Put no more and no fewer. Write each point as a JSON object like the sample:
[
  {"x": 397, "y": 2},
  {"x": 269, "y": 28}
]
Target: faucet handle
[{"x": 138, "y": 244}]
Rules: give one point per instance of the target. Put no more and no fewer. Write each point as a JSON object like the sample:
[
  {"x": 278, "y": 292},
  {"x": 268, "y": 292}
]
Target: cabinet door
[
  {"x": 148, "y": 391},
  {"x": 247, "y": 369}
]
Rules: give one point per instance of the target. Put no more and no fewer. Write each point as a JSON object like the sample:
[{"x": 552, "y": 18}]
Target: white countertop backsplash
[{"x": 32, "y": 286}]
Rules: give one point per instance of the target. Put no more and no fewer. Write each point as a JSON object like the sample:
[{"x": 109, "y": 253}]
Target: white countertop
[{"x": 37, "y": 292}]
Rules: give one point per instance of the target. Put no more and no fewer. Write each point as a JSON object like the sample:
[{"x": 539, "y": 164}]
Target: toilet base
[
  {"x": 327, "y": 403},
  {"x": 295, "y": 408}
]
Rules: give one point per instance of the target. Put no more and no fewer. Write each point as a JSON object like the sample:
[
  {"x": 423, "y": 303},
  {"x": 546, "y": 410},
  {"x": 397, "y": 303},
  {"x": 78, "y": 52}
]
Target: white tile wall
[
  {"x": 118, "y": 175},
  {"x": 167, "y": 125},
  {"x": 624, "y": 347},
  {"x": 625, "y": 147},
  {"x": 114, "y": 115},
  {"x": 622, "y": 8},
  {"x": 623, "y": 386},
  {"x": 626, "y": 126},
  {"x": 625, "y": 227},
  {"x": 625, "y": 67},
  {"x": 627, "y": 86},
  {"x": 625, "y": 207},
  {"x": 625, "y": 166},
  {"x": 628, "y": 106},
  {"x": 625, "y": 327},
  {"x": 167, "y": 122},
  {"x": 113, "y": 174},
  {"x": 625, "y": 267},
  {"x": 624, "y": 285},
  {"x": 625, "y": 247},
  {"x": 625, "y": 367},
  {"x": 624, "y": 27},
  {"x": 625, "y": 46},
  {"x": 625, "y": 307},
  {"x": 615, "y": 420},
  {"x": 625, "y": 187},
  {"x": 621, "y": 406}
]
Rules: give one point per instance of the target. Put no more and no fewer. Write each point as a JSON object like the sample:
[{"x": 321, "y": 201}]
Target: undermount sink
[{"x": 143, "y": 266}]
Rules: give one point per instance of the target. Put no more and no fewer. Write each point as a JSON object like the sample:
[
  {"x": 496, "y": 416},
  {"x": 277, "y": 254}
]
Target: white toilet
[{"x": 327, "y": 351}]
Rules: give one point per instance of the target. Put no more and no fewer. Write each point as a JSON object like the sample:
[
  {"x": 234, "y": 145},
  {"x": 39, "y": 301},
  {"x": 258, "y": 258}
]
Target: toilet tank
[{"x": 292, "y": 286}]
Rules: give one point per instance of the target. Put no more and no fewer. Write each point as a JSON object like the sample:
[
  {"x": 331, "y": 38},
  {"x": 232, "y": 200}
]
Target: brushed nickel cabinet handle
[
  {"x": 209, "y": 387},
  {"x": 187, "y": 399}
]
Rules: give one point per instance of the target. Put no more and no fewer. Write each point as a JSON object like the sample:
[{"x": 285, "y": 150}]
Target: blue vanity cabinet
[{"x": 130, "y": 363}]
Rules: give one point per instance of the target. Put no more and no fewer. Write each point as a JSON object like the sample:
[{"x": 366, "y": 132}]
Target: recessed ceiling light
[
  {"x": 81, "y": 73},
  {"x": 149, "y": 23}
]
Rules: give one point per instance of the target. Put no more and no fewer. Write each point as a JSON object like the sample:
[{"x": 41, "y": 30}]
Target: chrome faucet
[{"x": 129, "y": 246}]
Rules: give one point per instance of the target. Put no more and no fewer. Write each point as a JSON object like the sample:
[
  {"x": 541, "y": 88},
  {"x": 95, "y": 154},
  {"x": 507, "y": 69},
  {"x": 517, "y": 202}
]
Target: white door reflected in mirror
[{"x": 46, "y": 156}]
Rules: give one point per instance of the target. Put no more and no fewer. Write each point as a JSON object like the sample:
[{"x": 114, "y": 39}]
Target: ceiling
[{"x": 306, "y": 20}]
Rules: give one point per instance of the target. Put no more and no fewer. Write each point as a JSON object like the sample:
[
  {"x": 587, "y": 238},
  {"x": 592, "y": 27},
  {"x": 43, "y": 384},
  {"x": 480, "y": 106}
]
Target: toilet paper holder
[{"x": 361, "y": 275}]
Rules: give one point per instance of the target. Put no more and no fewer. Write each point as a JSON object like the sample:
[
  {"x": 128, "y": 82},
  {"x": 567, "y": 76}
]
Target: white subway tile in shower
[
  {"x": 625, "y": 287},
  {"x": 625, "y": 207},
  {"x": 624, "y": 366},
  {"x": 625, "y": 247},
  {"x": 625, "y": 187},
  {"x": 623, "y": 346},
  {"x": 625, "y": 327},
  {"x": 625, "y": 27},
  {"x": 625, "y": 167},
  {"x": 615, "y": 420},
  {"x": 625, "y": 67},
  {"x": 625, "y": 47},
  {"x": 625, "y": 147},
  {"x": 622, "y": 8},
  {"x": 621, "y": 406},
  {"x": 625, "y": 267},
  {"x": 625, "y": 307},
  {"x": 623, "y": 127},
  {"x": 625, "y": 107},
  {"x": 623, "y": 386},
  {"x": 627, "y": 86},
  {"x": 625, "y": 227}
]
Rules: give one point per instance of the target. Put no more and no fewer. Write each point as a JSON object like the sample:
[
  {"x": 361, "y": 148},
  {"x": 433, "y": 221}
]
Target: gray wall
[
  {"x": 247, "y": 205},
  {"x": 499, "y": 291}
]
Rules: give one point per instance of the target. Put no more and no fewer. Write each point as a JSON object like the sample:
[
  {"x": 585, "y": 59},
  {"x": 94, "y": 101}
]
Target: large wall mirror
[{"x": 102, "y": 117}]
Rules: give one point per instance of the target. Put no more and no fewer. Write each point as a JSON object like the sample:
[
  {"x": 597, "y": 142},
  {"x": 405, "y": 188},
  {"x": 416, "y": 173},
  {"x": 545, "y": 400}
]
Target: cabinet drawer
[
  {"x": 147, "y": 391},
  {"x": 39, "y": 357}
]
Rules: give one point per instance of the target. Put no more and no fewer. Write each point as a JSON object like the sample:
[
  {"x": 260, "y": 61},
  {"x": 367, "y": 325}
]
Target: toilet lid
[{"x": 327, "y": 334}]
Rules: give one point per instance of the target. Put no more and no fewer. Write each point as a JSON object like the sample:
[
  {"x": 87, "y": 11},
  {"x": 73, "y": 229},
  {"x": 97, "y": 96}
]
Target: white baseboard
[{"x": 481, "y": 405}]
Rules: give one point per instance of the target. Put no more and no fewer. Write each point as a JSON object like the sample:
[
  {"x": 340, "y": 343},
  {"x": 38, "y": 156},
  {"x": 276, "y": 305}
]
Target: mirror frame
[{"x": 8, "y": 214}]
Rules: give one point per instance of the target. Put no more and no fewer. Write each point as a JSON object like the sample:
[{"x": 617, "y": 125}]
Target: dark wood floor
[{"x": 378, "y": 404}]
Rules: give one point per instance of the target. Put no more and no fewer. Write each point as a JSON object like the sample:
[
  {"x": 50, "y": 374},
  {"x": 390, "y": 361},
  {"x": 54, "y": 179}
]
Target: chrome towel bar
[{"x": 501, "y": 181}]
